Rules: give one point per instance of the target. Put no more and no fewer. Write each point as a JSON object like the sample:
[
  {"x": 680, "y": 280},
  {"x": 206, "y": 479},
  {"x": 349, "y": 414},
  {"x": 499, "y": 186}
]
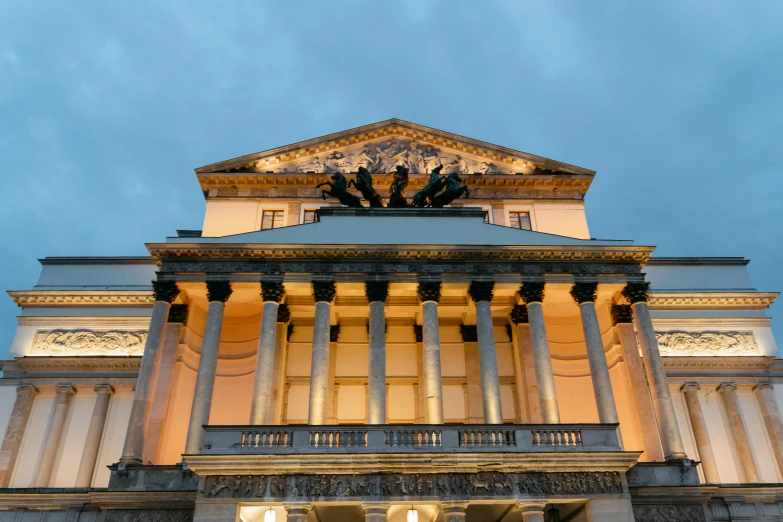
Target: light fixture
[
  {"x": 413, "y": 515},
  {"x": 270, "y": 516}
]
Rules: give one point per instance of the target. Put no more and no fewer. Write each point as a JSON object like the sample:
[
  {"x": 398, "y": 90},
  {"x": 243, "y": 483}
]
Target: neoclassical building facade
[{"x": 392, "y": 323}]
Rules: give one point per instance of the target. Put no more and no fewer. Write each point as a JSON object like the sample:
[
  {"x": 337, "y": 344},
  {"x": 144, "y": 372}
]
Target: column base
[{"x": 676, "y": 457}]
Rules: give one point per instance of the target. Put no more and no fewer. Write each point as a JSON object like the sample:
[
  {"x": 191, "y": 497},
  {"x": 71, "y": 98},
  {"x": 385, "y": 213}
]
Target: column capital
[
  {"x": 469, "y": 333},
  {"x": 376, "y": 291},
  {"x": 178, "y": 313},
  {"x": 636, "y": 292},
  {"x": 376, "y": 508},
  {"x": 531, "y": 506},
  {"x": 621, "y": 314},
  {"x": 453, "y": 506},
  {"x": 726, "y": 387},
  {"x": 481, "y": 290},
  {"x": 429, "y": 291},
  {"x": 763, "y": 386},
  {"x": 324, "y": 291},
  {"x": 26, "y": 389},
  {"x": 283, "y": 313},
  {"x": 532, "y": 292},
  {"x": 584, "y": 292},
  {"x": 272, "y": 291},
  {"x": 165, "y": 291},
  {"x": 334, "y": 333},
  {"x": 519, "y": 315},
  {"x": 690, "y": 386},
  {"x": 298, "y": 508},
  {"x": 218, "y": 291},
  {"x": 104, "y": 388},
  {"x": 64, "y": 389}
]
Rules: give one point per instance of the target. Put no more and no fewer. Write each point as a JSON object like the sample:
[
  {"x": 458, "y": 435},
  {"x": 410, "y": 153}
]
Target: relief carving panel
[
  {"x": 707, "y": 343},
  {"x": 89, "y": 342},
  {"x": 396, "y": 485},
  {"x": 385, "y": 155},
  {"x": 668, "y": 513}
]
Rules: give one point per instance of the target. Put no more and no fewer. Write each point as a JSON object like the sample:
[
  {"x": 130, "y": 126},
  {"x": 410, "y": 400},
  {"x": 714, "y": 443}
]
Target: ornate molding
[
  {"x": 331, "y": 267},
  {"x": 713, "y": 300},
  {"x": 398, "y": 485},
  {"x": 88, "y": 342},
  {"x": 90, "y": 366},
  {"x": 50, "y": 298},
  {"x": 707, "y": 344}
]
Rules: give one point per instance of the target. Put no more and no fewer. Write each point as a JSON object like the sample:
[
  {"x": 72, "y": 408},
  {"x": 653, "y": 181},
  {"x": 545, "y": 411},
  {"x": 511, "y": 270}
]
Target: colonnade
[{"x": 429, "y": 291}]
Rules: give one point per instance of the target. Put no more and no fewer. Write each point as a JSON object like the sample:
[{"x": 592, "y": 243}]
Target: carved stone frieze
[
  {"x": 402, "y": 267},
  {"x": 668, "y": 513},
  {"x": 385, "y": 155},
  {"x": 88, "y": 342},
  {"x": 398, "y": 485},
  {"x": 149, "y": 515},
  {"x": 707, "y": 343}
]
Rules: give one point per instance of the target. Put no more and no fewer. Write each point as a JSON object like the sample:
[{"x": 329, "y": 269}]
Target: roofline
[
  {"x": 392, "y": 121},
  {"x": 97, "y": 260},
  {"x": 668, "y": 261}
]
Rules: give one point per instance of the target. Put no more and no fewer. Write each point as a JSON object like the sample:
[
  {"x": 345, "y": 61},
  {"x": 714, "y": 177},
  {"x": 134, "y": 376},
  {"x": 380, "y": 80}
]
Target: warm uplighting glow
[
  {"x": 413, "y": 515},
  {"x": 269, "y": 516}
]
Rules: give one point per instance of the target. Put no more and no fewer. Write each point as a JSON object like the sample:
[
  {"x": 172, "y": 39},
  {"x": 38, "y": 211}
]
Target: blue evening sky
[{"x": 107, "y": 107}]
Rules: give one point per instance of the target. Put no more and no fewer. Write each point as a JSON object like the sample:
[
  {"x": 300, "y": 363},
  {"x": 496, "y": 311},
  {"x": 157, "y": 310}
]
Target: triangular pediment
[{"x": 381, "y": 147}]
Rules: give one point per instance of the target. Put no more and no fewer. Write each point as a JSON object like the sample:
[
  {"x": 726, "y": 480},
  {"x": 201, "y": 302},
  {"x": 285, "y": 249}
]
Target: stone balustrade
[{"x": 411, "y": 438}]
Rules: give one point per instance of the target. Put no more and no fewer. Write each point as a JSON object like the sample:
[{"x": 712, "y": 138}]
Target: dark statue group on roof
[{"x": 439, "y": 191}]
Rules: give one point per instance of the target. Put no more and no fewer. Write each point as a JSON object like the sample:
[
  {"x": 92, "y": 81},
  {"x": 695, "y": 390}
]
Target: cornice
[
  {"x": 712, "y": 300},
  {"x": 409, "y": 463},
  {"x": 52, "y": 298},
  {"x": 722, "y": 364},
  {"x": 222, "y": 251},
  {"x": 47, "y": 366},
  {"x": 102, "y": 321},
  {"x": 710, "y": 322}
]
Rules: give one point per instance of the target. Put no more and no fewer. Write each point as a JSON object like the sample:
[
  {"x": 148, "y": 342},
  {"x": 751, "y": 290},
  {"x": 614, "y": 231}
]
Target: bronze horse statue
[
  {"x": 339, "y": 189},
  {"x": 452, "y": 192},
  {"x": 363, "y": 183},
  {"x": 397, "y": 198},
  {"x": 424, "y": 196}
]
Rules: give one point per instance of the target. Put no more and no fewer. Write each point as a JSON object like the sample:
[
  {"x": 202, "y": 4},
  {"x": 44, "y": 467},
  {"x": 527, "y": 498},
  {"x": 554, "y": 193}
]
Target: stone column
[
  {"x": 297, "y": 511},
  {"x": 375, "y": 511},
  {"x": 165, "y": 292},
  {"x": 453, "y": 510},
  {"x": 52, "y": 441},
  {"x": 738, "y": 433},
  {"x": 532, "y": 511},
  {"x": 323, "y": 293},
  {"x": 272, "y": 293},
  {"x": 481, "y": 293},
  {"x": 218, "y": 293},
  {"x": 281, "y": 356},
  {"x": 769, "y": 411},
  {"x": 377, "y": 292},
  {"x": 584, "y": 294},
  {"x": 429, "y": 295},
  {"x": 673, "y": 448},
  {"x": 701, "y": 433},
  {"x": 14, "y": 432},
  {"x": 94, "y": 435},
  {"x": 533, "y": 295},
  {"x": 178, "y": 317},
  {"x": 622, "y": 318}
]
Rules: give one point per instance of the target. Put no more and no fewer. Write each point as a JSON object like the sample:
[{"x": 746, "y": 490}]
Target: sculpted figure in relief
[{"x": 707, "y": 343}]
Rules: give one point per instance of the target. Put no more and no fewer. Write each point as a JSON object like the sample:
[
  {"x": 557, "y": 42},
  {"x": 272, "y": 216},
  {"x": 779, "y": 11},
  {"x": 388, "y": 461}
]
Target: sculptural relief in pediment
[{"x": 384, "y": 156}]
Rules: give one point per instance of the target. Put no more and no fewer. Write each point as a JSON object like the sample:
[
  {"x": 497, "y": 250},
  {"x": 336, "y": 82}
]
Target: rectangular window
[
  {"x": 310, "y": 216},
  {"x": 271, "y": 219},
  {"x": 519, "y": 220}
]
